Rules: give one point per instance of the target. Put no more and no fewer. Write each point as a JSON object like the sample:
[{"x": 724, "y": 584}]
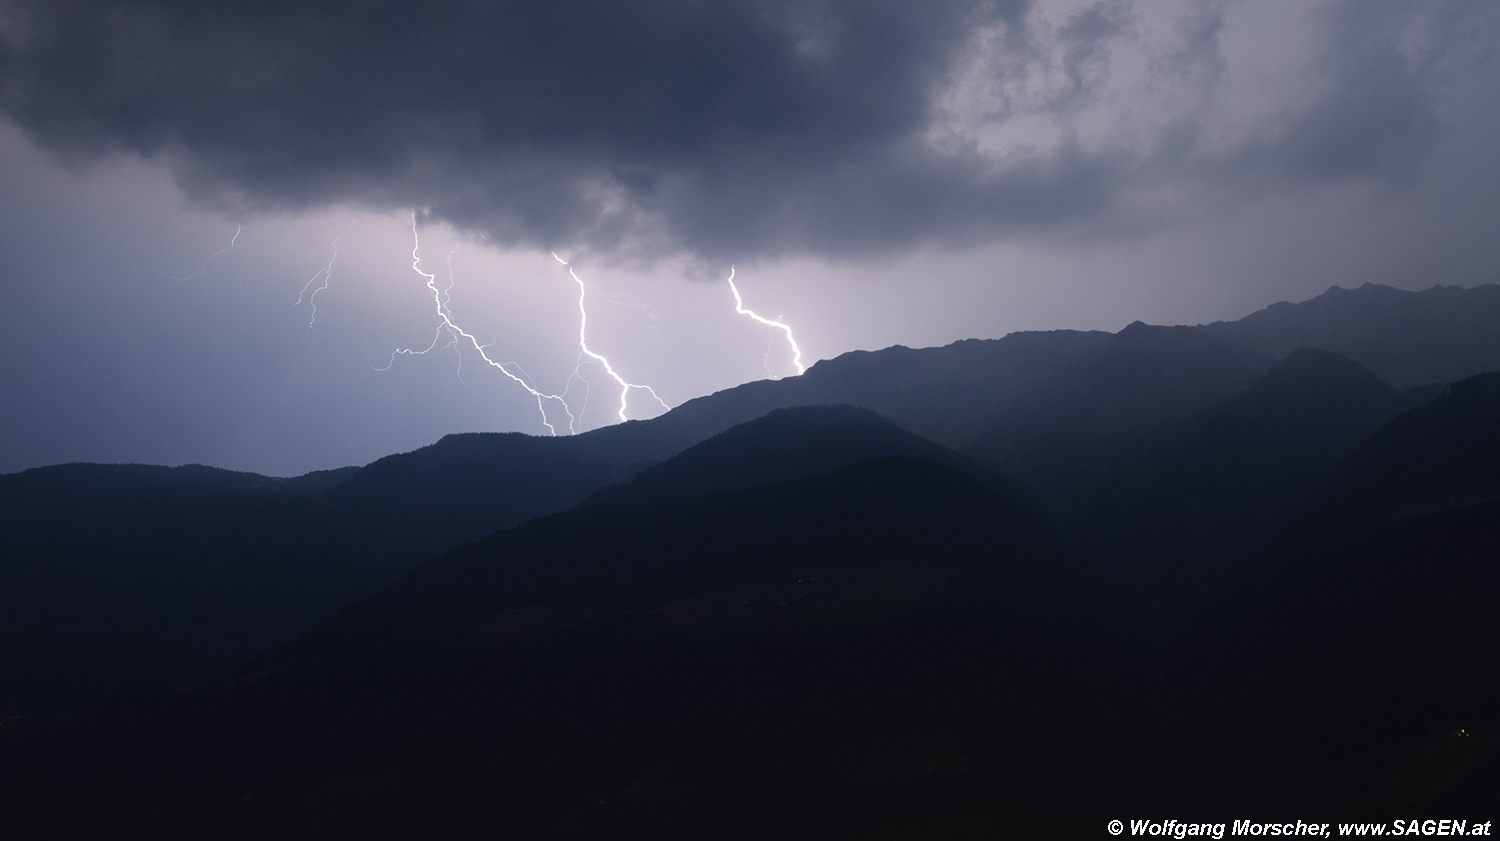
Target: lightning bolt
[
  {"x": 583, "y": 347},
  {"x": 447, "y": 297},
  {"x": 457, "y": 334},
  {"x": 739, "y": 307},
  {"x": 234, "y": 242},
  {"x": 327, "y": 274},
  {"x": 650, "y": 312},
  {"x": 625, "y": 300}
]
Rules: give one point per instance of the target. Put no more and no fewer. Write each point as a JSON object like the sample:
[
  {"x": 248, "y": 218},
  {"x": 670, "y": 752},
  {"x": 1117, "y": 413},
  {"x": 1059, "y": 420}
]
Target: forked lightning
[
  {"x": 739, "y": 307},
  {"x": 457, "y": 333},
  {"x": 326, "y": 273},
  {"x": 583, "y": 346}
]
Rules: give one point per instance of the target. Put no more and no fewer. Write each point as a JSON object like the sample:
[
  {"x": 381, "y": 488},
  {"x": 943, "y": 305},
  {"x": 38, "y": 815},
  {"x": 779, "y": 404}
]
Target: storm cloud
[{"x": 739, "y": 129}]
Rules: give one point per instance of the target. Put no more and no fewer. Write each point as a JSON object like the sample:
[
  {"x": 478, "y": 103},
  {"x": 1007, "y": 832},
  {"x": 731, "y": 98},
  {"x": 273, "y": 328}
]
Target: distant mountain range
[
  {"x": 956, "y": 591},
  {"x": 1439, "y": 335},
  {"x": 1362, "y": 635}
]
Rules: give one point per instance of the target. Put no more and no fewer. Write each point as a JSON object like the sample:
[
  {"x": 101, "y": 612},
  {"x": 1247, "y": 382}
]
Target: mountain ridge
[
  {"x": 1053, "y": 410},
  {"x": 1437, "y": 335},
  {"x": 750, "y": 620}
]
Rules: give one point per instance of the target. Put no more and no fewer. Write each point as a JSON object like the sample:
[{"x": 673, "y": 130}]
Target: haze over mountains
[{"x": 937, "y": 593}]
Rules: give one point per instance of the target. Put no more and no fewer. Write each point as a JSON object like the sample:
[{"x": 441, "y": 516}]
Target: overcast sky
[{"x": 178, "y": 177}]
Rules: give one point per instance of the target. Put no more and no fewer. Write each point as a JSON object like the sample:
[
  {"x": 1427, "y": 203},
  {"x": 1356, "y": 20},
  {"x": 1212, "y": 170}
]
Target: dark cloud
[
  {"x": 1085, "y": 38},
  {"x": 1197, "y": 53},
  {"x": 736, "y": 128},
  {"x": 1376, "y": 114}
]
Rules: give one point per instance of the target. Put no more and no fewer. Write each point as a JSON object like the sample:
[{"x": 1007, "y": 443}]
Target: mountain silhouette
[
  {"x": 467, "y": 486},
  {"x": 1059, "y": 411},
  {"x": 1359, "y": 633},
  {"x": 784, "y": 445},
  {"x": 1204, "y": 495},
  {"x": 1059, "y": 434},
  {"x": 1049, "y": 408},
  {"x": 805, "y": 659},
  {"x": 945, "y": 592},
  {"x": 1439, "y": 335},
  {"x": 132, "y": 578}
]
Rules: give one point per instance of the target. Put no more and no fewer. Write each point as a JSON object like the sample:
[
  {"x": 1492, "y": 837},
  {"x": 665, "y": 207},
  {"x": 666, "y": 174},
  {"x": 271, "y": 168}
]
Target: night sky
[{"x": 173, "y": 173}]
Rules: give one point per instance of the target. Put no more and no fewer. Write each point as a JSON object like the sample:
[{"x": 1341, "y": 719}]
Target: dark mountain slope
[
  {"x": 470, "y": 485},
  {"x": 467, "y": 486},
  {"x": 786, "y": 444},
  {"x": 1368, "y": 630},
  {"x": 1059, "y": 433},
  {"x": 318, "y": 481},
  {"x": 946, "y": 394},
  {"x": 79, "y": 476},
  {"x": 677, "y": 544},
  {"x": 887, "y": 645},
  {"x": 1438, "y": 335},
  {"x": 116, "y": 577},
  {"x": 1050, "y": 408},
  {"x": 414, "y": 505},
  {"x": 1055, "y": 410},
  {"x": 1204, "y": 495},
  {"x": 1030, "y": 402},
  {"x": 139, "y": 578},
  {"x": 1037, "y": 405},
  {"x": 560, "y": 659},
  {"x": 134, "y": 576}
]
